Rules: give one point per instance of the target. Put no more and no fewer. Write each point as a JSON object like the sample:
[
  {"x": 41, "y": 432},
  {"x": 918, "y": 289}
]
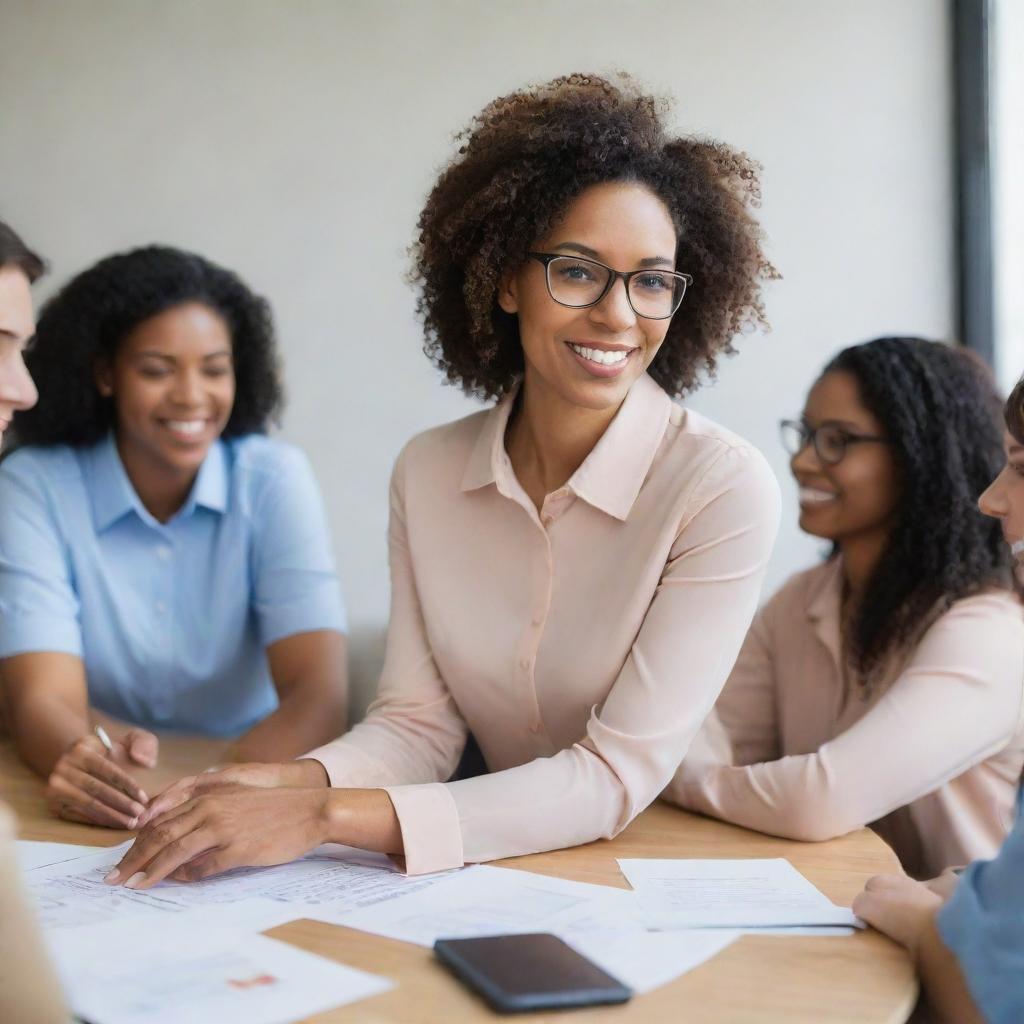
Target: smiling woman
[
  {"x": 886, "y": 686},
  {"x": 572, "y": 570},
  {"x": 162, "y": 563}
]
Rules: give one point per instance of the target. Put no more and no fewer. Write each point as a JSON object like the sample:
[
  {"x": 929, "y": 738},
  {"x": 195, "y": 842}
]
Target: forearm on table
[
  {"x": 304, "y": 719},
  {"x": 364, "y": 818},
  {"x": 43, "y": 726},
  {"x": 790, "y": 798}
]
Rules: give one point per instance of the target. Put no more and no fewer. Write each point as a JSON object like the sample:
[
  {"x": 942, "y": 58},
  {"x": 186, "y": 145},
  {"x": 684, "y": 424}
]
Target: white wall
[
  {"x": 295, "y": 141},
  {"x": 1007, "y": 197}
]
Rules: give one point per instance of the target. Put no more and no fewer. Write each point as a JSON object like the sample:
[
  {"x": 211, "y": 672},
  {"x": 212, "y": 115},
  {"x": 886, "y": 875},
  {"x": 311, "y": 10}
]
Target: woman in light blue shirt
[
  {"x": 163, "y": 564},
  {"x": 967, "y": 935}
]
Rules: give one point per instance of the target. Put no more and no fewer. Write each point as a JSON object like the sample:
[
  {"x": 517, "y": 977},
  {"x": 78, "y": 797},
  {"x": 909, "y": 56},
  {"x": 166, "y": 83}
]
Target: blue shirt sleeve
[
  {"x": 295, "y": 586},
  {"x": 983, "y": 925},
  {"x": 39, "y": 608}
]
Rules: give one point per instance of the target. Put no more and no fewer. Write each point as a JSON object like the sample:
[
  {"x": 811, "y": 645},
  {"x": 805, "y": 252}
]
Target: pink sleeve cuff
[{"x": 431, "y": 833}]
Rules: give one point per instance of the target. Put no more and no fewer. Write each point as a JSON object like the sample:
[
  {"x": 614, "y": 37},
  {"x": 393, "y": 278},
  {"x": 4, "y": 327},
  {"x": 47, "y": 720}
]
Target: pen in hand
[
  {"x": 104, "y": 739},
  {"x": 108, "y": 746}
]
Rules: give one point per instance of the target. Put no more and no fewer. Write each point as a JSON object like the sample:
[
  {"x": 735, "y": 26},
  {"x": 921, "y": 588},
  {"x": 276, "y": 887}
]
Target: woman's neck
[
  {"x": 161, "y": 489},
  {"x": 861, "y": 554},
  {"x": 548, "y": 438}
]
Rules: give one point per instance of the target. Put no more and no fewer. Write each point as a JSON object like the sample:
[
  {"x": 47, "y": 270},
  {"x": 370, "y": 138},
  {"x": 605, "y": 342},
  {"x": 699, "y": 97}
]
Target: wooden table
[{"x": 760, "y": 980}]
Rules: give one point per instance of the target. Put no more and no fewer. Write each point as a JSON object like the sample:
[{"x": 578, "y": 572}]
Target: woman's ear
[
  {"x": 508, "y": 292},
  {"x": 103, "y": 378}
]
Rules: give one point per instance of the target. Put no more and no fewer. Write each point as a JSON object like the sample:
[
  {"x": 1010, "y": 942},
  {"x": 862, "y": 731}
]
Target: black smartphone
[{"x": 516, "y": 973}]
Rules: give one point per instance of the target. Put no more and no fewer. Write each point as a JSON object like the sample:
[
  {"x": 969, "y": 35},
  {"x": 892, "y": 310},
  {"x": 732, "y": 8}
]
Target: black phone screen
[{"x": 529, "y": 972}]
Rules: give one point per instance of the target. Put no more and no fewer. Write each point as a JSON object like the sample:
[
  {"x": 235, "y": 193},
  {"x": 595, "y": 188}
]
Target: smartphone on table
[{"x": 518, "y": 973}]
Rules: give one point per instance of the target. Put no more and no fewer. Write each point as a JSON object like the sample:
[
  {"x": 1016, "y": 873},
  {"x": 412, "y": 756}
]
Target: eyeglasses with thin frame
[
  {"x": 573, "y": 281},
  {"x": 830, "y": 440}
]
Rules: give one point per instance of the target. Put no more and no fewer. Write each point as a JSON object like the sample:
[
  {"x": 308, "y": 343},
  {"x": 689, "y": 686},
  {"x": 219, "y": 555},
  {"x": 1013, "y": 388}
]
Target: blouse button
[
  {"x": 535, "y": 727},
  {"x": 524, "y": 663},
  {"x": 163, "y": 553}
]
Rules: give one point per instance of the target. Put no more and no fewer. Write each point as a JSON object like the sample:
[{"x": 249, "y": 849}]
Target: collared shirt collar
[
  {"x": 611, "y": 476},
  {"x": 113, "y": 495},
  {"x": 210, "y": 490}
]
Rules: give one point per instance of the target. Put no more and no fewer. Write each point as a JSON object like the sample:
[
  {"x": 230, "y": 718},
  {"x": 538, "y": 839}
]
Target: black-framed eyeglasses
[
  {"x": 576, "y": 282},
  {"x": 830, "y": 440}
]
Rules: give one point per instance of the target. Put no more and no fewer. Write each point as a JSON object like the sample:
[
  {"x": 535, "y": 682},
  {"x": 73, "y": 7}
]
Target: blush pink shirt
[
  {"x": 930, "y": 759},
  {"x": 583, "y": 645}
]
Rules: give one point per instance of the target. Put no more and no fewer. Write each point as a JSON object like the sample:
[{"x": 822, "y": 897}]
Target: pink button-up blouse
[
  {"x": 583, "y": 645},
  {"x": 930, "y": 757}
]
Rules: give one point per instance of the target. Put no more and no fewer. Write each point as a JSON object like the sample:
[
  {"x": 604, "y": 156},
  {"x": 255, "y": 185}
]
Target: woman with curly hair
[
  {"x": 574, "y": 569},
  {"x": 966, "y": 931},
  {"x": 29, "y": 990},
  {"x": 885, "y": 686},
  {"x": 162, "y": 563}
]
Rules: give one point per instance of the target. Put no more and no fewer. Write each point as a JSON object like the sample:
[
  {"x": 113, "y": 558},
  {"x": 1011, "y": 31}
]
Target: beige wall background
[{"x": 295, "y": 141}]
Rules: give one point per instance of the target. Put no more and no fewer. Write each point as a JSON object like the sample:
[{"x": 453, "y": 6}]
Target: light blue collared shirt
[
  {"x": 172, "y": 620},
  {"x": 983, "y": 925}
]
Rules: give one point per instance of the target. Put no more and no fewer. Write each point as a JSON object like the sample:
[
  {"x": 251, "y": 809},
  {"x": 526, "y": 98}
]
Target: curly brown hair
[{"x": 520, "y": 163}]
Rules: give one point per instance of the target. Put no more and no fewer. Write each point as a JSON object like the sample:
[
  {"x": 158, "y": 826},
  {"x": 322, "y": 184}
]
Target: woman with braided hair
[
  {"x": 883, "y": 687},
  {"x": 573, "y": 570}
]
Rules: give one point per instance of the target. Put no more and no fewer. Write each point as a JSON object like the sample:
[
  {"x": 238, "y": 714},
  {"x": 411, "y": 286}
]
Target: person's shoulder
[
  {"x": 993, "y": 607},
  {"x": 447, "y": 439},
  {"x": 258, "y": 460},
  {"x": 691, "y": 431},
  {"x": 715, "y": 458},
  {"x": 262, "y": 471},
  {"x": 804, "y": 587},
  {"x": 42, "y": 467}
]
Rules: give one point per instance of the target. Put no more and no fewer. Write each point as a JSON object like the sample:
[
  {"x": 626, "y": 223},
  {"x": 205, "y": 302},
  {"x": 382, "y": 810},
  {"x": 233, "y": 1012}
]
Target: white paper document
[
  {"x": 485, "y": 900},
  {"x": 172, "y": 971},
  {"x": 647, "y": 960},
  {"x": 336, "y": 878},
  {"x": 748, "y": 894},
  {"x": 31, "y": 854}
]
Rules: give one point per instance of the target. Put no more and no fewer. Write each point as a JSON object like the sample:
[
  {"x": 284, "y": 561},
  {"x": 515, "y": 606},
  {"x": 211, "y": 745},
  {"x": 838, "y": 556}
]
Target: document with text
[
  {"x": 31, "y": 854},
  {"x": 486, "y": 900},
  {"x": 338, "y": 879},
  {"x": 748, "y": 894},
  {"x": 172, "y": 971}
]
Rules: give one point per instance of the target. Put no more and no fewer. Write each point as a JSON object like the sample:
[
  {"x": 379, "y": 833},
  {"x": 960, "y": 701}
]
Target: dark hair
[
  {"x": 523, "y": 159},
  {"x": 15, "y": 253},
  {"x": 1013, "y": 412},
  {"x": 940, "y": 411},
  {"x": 83, "y": 325}
]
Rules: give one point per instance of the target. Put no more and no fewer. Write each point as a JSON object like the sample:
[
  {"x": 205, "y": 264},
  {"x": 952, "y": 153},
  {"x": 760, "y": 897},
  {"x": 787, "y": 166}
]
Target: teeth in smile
[
  {"x": 186, "y": 426},
  {"x": 598, "y": 355},
  {"x": 812, "y": 496}
]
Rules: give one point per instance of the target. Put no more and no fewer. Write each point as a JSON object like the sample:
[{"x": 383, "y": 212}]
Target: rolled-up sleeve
[
  {"x": 39, "y": 608},
  {"x": 295, "y": 585},
  {"x": 983, "y": 926}
]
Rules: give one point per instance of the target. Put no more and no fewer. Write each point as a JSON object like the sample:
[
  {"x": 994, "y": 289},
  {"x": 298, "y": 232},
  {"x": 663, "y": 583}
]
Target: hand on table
[
  {"x": 304, "y": 774},
  {"x": 898, "y": 907},
  {"x": 91, "y": 785},
  {"x": 222, "y": 828},
  {"x": 944, "y": 884}
]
